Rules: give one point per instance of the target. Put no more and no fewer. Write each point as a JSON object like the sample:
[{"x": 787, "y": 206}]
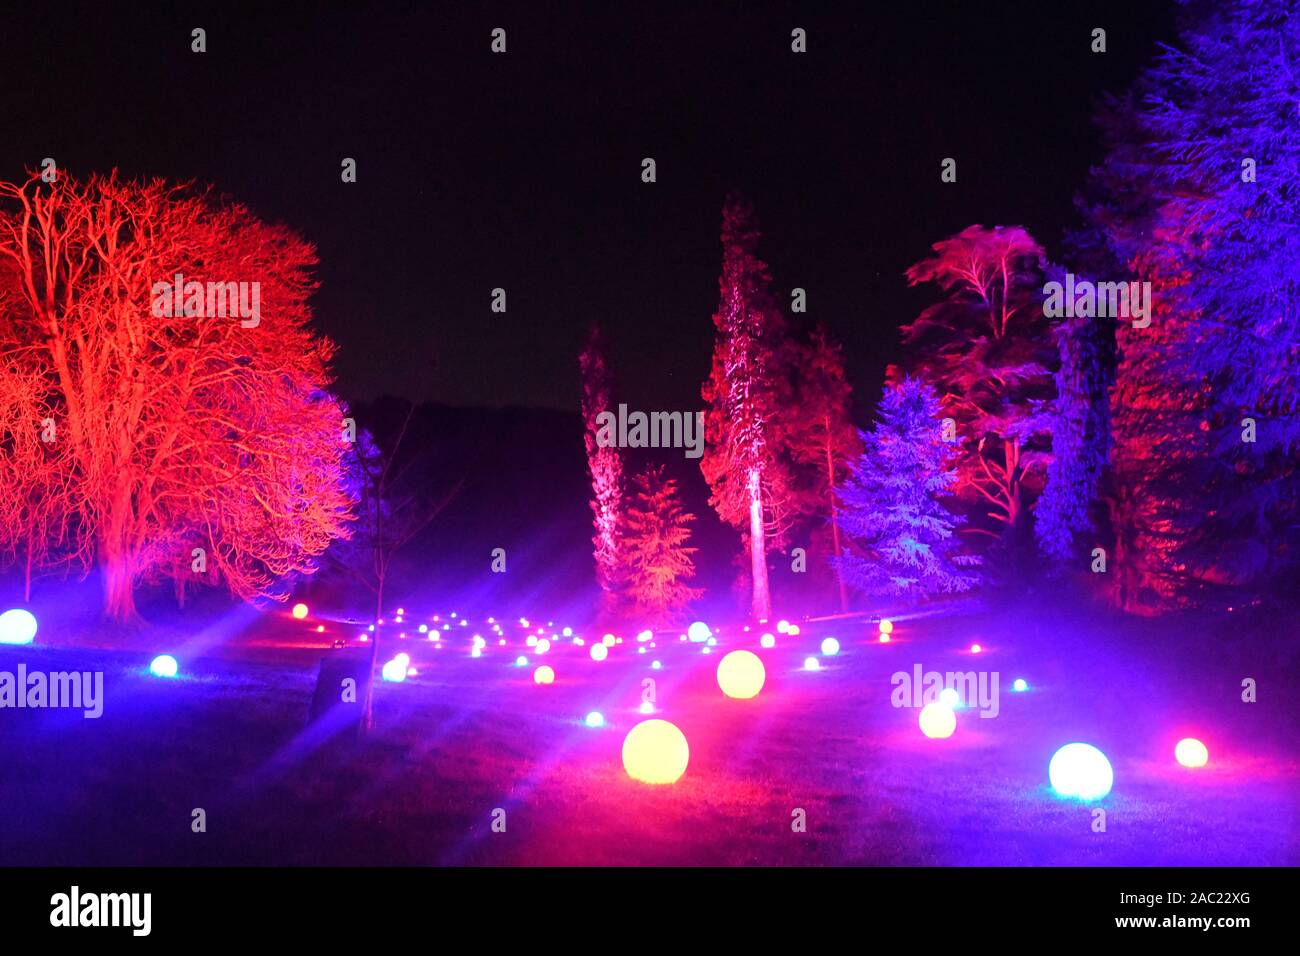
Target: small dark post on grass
[{"x": 332, "y": 708}]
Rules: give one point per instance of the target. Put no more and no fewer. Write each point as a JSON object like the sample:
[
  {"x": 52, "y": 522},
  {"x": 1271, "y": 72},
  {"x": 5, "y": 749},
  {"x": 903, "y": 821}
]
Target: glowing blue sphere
[
  {"x": 521, "y": 661},
  {"x": 595, "y": 719},
  {"x": 164, "y": 665},
  {"x": 17, "y": 627},
  {"x": 699, "y": 632},
  {"x": 395, "y": 670},
  {"x": 1020, "y": 684},
  {"x": 830, "y": 647},
  {"x": 1081, "y": 771}
]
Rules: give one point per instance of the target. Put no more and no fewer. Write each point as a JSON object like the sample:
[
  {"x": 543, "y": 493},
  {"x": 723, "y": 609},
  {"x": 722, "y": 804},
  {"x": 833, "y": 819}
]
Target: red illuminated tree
[
  {"x": 825, "y": 439},
  {"x": 178, "y": 427},
  {"x": 656, "y": 556},
  {"x": 988, "y": 350},
  {"x": 604, "y": 464},
  {"x": 750, "y": 398}
]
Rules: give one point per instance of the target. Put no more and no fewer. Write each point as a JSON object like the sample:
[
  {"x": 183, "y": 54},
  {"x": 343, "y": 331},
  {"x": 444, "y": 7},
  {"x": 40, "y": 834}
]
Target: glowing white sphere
[
  {"x": 544, "y": 675},
  {"x": 793, "y": 630},
  {"x": 937, "y": 721},
  {"x": 532, "y": 640},
  {"x": 599, "y": 652},
  {"x": 646, "y": 635},
  {"x": 567, "y": 632},
  {"x": 394, "y": 670},
  {"x": 949, "y": 697},
  {"x": 655, "y": 665},
  {"x": 543, "y": 646},
  {"x": 1082, "y": 771},
  {"x": 699, "y": 632},
  {"x": 811, "y": 664},
  {"x": 884, "y": 638},
  {"x": 609, "y": 640},
  {"x": 646, "y": 707},
  {"x": 521, "y": 661},
  {"x": 886, "y": 627},
  {"x": 1020, "y": 684},
  {"x": 768, "y": 641},
  {"x": 300, "y": 611},
  {"x": 783, "y": 626},
  {"x": 595, "y": 719},
  {"x": 1191, "y": 753},
  {"x": 164, "y": 665},
  {"x": 830, "y": 647},
  {"x": 655, "y": 751},
  {"x": 975, "y": 648},
  {"x": 17, "y": 627},
  {"x": 423, "y": 629},
  {"x": 404, "y": 657},
  {"x": 741, "y": 675}
]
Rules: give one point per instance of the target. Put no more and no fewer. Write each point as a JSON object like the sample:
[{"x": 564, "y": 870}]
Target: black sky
[{"x": 523, "y": 170}]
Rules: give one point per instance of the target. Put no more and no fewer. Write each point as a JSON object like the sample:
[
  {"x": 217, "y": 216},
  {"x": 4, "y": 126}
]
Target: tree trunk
[
  {"x": 762, "y": 603},
  {"x": 119, "y": 590},
  {"x": 835, "y": 519}
]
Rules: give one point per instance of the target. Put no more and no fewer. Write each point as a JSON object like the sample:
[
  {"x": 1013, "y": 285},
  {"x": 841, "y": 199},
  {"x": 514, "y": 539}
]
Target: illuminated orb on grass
[
  {"x": 543, "y": 646},
  {"x": 1191, "y": 753},
  {"x": 521, "y": 661},
  {"x": 741, "y": 675},
  {"x": 767, "y": 641},
  {"x": 937, "y": 721},
  {"x": 609, "y": 640},
  {"x": 646, "y": 707},
  {"x": 164, "y": 665},
  {"x": 17, "y": 627},
  {"x": 884, "y": 638},
  {"x": 950, "y": 698},
  {"x": 830, "y": 647},
  {"x": 594, "y": 719},
  {"x": 1082, "y": 771},
  {"x": 783, "y": 626},
  {"x": 886, "y": 627},
  {"x": 599, "y": 652},
  {"x": 544, "y": 675},
  {"x": 395, "y": 670},
  {"x": 655, "y": 751},
  {"x": 975, "y": 648},
  {"x": 1019, "y": 685},
  {"x": 811, "y": 664},
  {"x": 299, "y": 611},
  {"x": 699, "y": 632}
]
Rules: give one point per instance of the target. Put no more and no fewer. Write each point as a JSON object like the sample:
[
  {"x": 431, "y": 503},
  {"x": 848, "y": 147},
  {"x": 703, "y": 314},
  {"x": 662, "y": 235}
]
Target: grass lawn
[{"x": 468, "y": 736}]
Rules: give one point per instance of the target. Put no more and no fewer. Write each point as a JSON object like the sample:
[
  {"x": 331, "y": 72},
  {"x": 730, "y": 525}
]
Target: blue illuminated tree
[
  {"x": 900, "y": 536},
  {"x": 1199, "y": 196}
]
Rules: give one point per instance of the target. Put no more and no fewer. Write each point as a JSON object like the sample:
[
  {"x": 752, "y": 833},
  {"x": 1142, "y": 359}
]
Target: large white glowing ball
[
  {"x": 937, "y": 721},
  {"x": 609, "y": 640},
  {"x": 741, "y": 675},
  {"x": 783, "y": 626},
  {"x": 300, "y": 611},
  {"x": 767, "y": 641},
  {"x": 1080, "y": 770},
  {"x": 599, "y": 652},
  {"x": 655, "y": 751},
  {"x": 394, "y": 670},
  {"x": 17, "y": 627},
  {"x": 531, "y": 640},
  {"x": 811, "y": 664},
  {"x": 544, "y": 675},
  {"x": 404, "y": 657},
  {"x": 164, "y": 665},
  {"x": 543, "y": 646},
  {"x": 1191, "y": 753},
  {"x": 950, "y": 698},
  {"x": 699, "y": 632},
  {"x": 830, "y": 647},
  {"x": 886, "y": 627}
]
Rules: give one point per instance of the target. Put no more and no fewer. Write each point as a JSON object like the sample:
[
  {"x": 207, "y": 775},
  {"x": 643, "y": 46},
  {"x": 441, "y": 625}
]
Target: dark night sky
[{"x": 523, "y": 170}]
